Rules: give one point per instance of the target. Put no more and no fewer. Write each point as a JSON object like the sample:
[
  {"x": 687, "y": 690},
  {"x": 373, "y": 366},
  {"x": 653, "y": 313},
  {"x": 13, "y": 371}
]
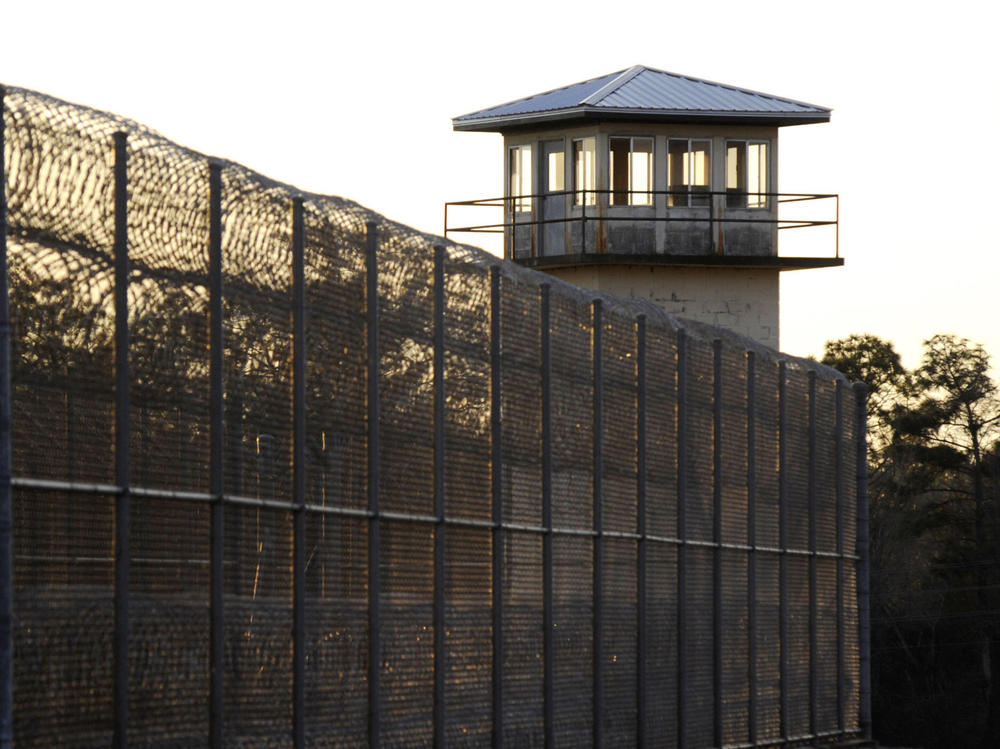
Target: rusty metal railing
[{"x": 594, "y": 205}]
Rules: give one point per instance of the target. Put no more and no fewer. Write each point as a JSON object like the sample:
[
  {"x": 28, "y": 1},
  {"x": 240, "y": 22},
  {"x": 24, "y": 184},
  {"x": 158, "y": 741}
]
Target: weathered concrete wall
[{"x": 740, "y": 299}]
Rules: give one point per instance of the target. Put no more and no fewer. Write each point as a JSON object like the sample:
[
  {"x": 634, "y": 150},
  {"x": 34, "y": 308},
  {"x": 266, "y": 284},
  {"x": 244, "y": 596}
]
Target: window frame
[
  {"x": 743, "y": 198},
  {"x": 630, "y": 193},
  {"x": 587, "y": 194},
  {"x": 519, "y": 169},
  {"x": 689, "y": 198}
]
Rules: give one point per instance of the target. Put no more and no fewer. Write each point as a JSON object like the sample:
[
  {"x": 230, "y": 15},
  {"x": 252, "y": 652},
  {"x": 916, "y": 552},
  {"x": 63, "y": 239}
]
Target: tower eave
[{"x": 525, "y": 120}]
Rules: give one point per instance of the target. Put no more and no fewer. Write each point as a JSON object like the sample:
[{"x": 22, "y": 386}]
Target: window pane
[
  {"x": 701, "y": 171},
  {"x": 520, "y": 177},
  {"x": 677, "y": 158},
  {"x": 583, "y": 171},
  {"x": 757, "y": 175},
  {"x": 631, "y": 170},
  {"x": 525, "y": 186},
  {"x": 735, "y": 174},
  {"x": 555, "y": 169},
  {"x": 642, "y": 171},
  {"x": 701, "y": 168},
  {"x": 619, "y": 148}
]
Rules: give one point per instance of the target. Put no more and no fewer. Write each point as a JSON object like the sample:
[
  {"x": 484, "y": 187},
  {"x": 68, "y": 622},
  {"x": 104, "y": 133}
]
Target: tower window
[
  {"x": 519, "y": 169},
  {"x": 631, "y": 171},
  {"x": 584, "y": 176},
  {"x": 689, "y": 171},
  {"x": 746, "y": 174},
  {"x": 555, "y": 170}
]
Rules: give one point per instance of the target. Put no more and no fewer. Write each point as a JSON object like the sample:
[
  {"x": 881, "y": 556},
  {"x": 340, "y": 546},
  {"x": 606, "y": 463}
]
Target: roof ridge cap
[{"x": 613, "y": 85}]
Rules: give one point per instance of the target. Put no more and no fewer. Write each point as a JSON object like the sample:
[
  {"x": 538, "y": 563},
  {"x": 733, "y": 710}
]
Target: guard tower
[{"x": 654, "y": 185}]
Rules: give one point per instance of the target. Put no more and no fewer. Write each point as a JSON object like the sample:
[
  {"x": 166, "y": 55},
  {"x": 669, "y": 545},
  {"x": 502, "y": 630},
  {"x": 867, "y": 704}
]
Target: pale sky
[{"x": 356, "y": 99}]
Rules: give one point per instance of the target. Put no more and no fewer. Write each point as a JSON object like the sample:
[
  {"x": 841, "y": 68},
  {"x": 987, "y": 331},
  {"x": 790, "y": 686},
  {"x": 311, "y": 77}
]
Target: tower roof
[{"x": 641, "y": 93}]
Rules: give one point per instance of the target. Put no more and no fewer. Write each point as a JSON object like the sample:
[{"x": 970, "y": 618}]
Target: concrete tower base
[{"x": 745, "y": 300}]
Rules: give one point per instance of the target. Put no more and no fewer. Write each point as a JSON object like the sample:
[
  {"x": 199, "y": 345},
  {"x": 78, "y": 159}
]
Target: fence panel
[{"x": 373, "y": 488}]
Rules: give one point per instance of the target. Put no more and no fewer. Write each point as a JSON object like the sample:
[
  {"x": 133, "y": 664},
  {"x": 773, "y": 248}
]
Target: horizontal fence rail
[{"x": 286, "y": 473}]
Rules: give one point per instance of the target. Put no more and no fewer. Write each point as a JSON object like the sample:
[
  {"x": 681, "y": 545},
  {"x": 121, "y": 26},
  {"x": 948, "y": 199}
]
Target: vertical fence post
[
  {"x": 682, "y": 550},
  {"x": 752, "y": 542},
  {"x": 122, "y": 462},
  {"x": 6, "y": 498},
  {"x": 299, "y": 475},
  {"x": 841, "y": 508},
  {"x": 374, "y": 530},
  {"x": 783, "y": 548},
  {"x": 496, "y": 446},
  {"x": 813, "y": 566},
  {"x": 717, "y": 539},
  {"x": 598, "y": 510},
  {"x": 642, "y": 550},
  {"x": 864, "y": 591},
  {"x": 217, "y": 457},
  {"x": 440, "y": 649},
  {"x": 548, "y": 639}
]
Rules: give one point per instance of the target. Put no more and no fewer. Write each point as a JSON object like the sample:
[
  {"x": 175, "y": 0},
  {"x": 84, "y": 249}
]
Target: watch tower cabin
[{"x": 654, "y": 185}]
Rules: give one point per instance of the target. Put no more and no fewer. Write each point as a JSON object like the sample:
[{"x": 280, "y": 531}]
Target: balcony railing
[{"x": 713, "y": 209}]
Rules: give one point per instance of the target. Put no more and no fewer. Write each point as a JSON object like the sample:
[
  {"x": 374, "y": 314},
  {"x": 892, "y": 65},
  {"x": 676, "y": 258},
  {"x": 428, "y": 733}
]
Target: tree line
[{"x": 934, "y": 486}]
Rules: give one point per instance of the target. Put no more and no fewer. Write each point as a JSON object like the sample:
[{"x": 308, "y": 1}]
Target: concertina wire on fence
[{"x": 337, "y": 482}]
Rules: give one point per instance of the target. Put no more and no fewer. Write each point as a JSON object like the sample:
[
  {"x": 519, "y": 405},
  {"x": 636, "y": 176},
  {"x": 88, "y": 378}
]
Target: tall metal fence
[{"x": 287, "y": 473}]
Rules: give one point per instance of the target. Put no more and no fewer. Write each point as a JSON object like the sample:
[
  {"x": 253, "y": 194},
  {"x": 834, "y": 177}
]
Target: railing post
[
  {"x": 440, "y": 550},
  {"x": 496, "y": 433},
  {"x": 217, "y": 459},
  {"x": 598, "y": 510},
  {"x": 864, "y": 590},
  {"x": 6, "y": 497},
  {"x": 717, "y": 245},
  {"x": 299, "y": 475},
  {"x": 535, "y": 215},
  {"x": 511, "y": 246},
  {"x": 836, "y": 225},
  {"x": 374, "y": 529},
  {"x": 122, "y": 459}
]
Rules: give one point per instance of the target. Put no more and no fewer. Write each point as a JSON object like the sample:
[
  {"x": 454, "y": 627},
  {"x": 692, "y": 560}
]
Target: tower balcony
[{"x": 681, "y": 228}]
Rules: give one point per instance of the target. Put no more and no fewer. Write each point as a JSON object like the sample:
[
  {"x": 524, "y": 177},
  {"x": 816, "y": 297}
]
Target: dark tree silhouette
[{"x": 935, "y": 539}]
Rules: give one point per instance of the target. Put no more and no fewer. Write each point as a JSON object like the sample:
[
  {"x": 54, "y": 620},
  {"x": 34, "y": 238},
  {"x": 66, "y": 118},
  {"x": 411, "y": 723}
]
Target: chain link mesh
[{"x": 60, "y": 189}]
